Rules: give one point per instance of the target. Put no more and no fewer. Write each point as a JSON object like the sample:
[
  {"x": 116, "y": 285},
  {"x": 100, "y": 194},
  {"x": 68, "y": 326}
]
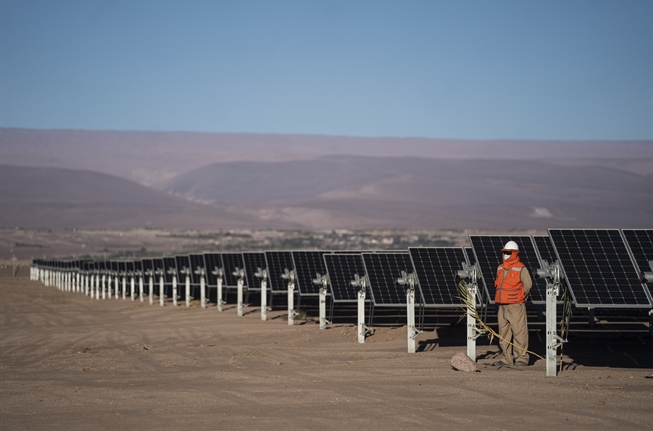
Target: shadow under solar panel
[
  {"x": 383, "y": 271},
  {"x": 599, "y": 268}
]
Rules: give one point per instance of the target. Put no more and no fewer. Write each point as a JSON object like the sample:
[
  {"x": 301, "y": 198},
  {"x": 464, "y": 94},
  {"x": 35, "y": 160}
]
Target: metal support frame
[
  {"x": 104, "y": 286},
  {"x": 291, "y": 276},
  {"x": 132, "y": 285},
  {"x": 124, "y": 287},
  {"x": 150, "y": 285},
  {"x": 410, "y": 280},
  {"x": 162, "y": 286},
  {"x": 219, "y": 272},
  {"x": 553, "y": 274},
  {"x": 362, "y": 283},
  {"x": 473, "y": 274},
  {"x": 202, "y": 273},
  {"x": 323, "y": 282},
  {"x": 240, "y": 274},
  {"x": 262, "y": 273}
]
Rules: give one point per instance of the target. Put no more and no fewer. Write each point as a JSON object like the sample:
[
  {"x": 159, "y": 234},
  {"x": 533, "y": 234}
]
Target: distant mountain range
[{"x": 138, "y": 179}]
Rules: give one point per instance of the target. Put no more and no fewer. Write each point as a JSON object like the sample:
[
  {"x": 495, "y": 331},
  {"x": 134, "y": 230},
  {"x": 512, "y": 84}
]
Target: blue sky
[{"x": 439, "y": 69}]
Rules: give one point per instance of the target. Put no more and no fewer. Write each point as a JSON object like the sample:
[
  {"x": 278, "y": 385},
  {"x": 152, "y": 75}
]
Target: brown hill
[
  {"x": 153, "y": 158},
  {"x": 61, "y": 198},
  {"x": 350, "y": 191}
]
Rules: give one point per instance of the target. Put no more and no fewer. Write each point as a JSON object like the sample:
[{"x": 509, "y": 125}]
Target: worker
[{"x": 512, "y": 286}]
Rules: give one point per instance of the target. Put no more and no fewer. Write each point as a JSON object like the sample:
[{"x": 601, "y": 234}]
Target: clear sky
[{"x": 441, "y": 69}]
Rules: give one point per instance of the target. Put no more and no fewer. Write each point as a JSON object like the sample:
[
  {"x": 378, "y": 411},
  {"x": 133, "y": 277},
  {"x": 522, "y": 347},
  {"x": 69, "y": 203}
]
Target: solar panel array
[
  {"x": 307, "y": 265},
  {"x": 182, "y": 263},
  {"x": 640, "y": 242},
  {"x": 383, "y": 271},
  {"x": 599, "y": 268},
  {"x": 436, "y": 269},
  {"x": 342, "y": 270},
  {"x": 169, "y": 264},
  {"x": 277, "y": 263},
  {"x": 487, "y": 250},
  {"x": 254, "y": 260}
]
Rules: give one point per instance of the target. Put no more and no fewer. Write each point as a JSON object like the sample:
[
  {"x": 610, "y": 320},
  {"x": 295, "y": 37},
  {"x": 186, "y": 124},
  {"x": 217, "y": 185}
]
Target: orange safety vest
[{"x": 510, "y": 290}]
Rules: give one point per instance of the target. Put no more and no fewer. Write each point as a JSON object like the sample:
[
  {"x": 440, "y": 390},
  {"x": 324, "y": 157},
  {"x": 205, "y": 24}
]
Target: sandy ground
[{"x": 70, "y": 362}]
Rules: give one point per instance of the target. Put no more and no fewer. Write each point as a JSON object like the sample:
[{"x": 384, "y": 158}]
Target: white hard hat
[{"x": 511, "y": 245}]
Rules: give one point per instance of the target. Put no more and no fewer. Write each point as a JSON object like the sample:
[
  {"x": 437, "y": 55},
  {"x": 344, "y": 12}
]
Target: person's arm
[{"x": 526, "y": 280}]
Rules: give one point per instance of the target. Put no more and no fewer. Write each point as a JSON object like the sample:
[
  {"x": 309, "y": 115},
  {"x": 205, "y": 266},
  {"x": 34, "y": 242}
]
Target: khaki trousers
[{"x": 514, "y": 328}]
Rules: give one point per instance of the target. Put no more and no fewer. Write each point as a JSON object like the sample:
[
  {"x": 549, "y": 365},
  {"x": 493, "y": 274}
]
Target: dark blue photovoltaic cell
[
  {"x": 278, "y": 262},
  {"x": 253, "y": 261},
  {"x": 487, "y": 249},
  {"x": 383, "y": 271},
  {"x": 469, "y": 252},
  {"x": 307, "y": 265},
  {"x": 212, "y": 262},
  {"x": 599, "y": 268},
  {"x": 232, "y": 261},
  {"x": 436, "y": 269},
  {"x": 342, "y": 270}
]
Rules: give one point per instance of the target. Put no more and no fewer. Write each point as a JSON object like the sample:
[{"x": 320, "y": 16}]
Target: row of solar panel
[{"x": 603, "y": 268}]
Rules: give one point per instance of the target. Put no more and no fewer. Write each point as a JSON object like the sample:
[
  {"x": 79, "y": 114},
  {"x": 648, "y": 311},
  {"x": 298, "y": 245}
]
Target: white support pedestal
[
  {"x": 472, "y": 334},
  {"x": 116, "y": 281},
  {"x": 362, "y": 329},
  {"x": 239, "y": 298},
  {"x": 291, "y": 303},
  {"x": 174, "y": 290},
  {"x": 162, "y": 294},
  {"x": 264, "y": 299},
  {"x": 104, "y": 286},
  {"x": 151, "y": 288},
  {"x": 553, "y": 274},
  {"x": 109, "y": 280},
  {"x": 132, "y": 285},
  {"x": 140, "y": 287},
  {"x": 187, "y": 290},
  {"x": 97, "y": 287},
  {"x": 124, "y": 287},
  {"x": 412, "y": 333},
  {"x": 323, "y": 299},
  {"x": 219, "y": 299},
  {"x": 202, "y": 293}
]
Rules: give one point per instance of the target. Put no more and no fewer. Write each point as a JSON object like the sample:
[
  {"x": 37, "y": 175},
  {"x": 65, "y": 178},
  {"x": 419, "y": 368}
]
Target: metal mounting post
[
  {"x": 240, "y": 274},
  {"x": 473, "y": 274},
  {"x": 410, "y": 279},
  {"x": 202, "y": 272},
  {"x": 104, "y": 286},
  {"x": 263, "y": 275},
  {"x": 290, "y": 276},
  {"x": 162, "y": 286},
  {"x": 140, "y": 286},
  {"x": 553, "y": 275},
  {"x": 97, "y": 286},
  {"x": 174, "y": 290},
  {"x": 323, "y": 282},
  {"x": 218, "y": 272},
  {"x": 124, "y": 286},
  {"x": 132, "y": 285},
  {"x": 150, "y": 275},
  {"x": 361, "y": 283}
]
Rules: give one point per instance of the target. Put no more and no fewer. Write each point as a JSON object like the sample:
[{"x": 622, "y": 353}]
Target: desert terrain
[{"x": 69, "y": 362}]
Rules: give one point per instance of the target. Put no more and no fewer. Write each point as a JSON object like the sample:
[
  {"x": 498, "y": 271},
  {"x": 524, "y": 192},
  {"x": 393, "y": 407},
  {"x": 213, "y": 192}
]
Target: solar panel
[
  {"x": 599, "y": 268},
  {"x": 129, "y": 267},
  {"x": 212, "y": 261},
  {"x": 640, "y": 242},
  {"x": 253, "y": 261},
  {"x": 383, "y": 271},
  {"x": 138, "y": 266},
  {"x": 544, "y": 248},
  {"x": 169, "y": 264},
  {"x": 232, "y": 261},
  {"x": 122, "y": 268},
  {"x": 469, "y": 252},
  {"x": 436, "y": 269},
  {"x": 148, "y": 265},
  {"x": 308, "y": 264},
  {"x": 157, "y": 264},
  {"x": 196, "y": 261},
  {"x": 277, "y": 262},
  {"x": 487, "y": 250},
  {"x": 342, "y": 270},
  {"x": 182, "y": 263}
]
